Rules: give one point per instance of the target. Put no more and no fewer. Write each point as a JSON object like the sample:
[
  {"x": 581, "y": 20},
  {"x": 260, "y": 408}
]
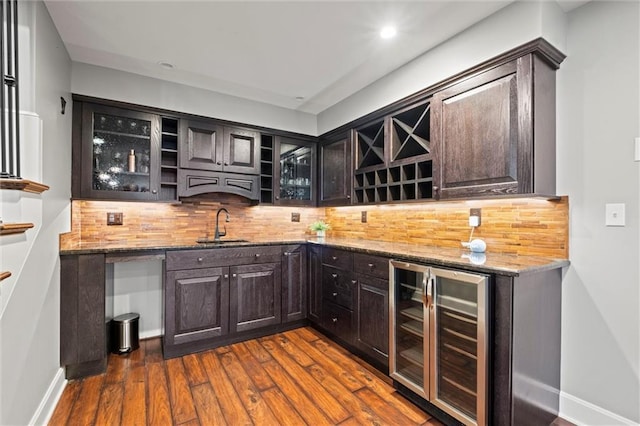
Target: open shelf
[
  {"x": 14, "y": 228},
  {"x": 169, "y": 159},
  {"x": 266, "y": 169},
  {"x": 23, "y": 185}
]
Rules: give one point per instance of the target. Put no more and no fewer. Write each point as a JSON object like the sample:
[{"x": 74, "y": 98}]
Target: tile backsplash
[{"x": 516, "y": 226}]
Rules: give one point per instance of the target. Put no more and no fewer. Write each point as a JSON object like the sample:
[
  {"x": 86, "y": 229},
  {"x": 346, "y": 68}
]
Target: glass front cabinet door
[
  {"x": 120, "y": 153},
  {"x": 296, "y": 171}
]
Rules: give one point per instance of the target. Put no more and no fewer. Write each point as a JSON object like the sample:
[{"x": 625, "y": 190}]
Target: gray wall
[
  {"x": 29, "y": 321},
  {"x": 598, "y": 119}
]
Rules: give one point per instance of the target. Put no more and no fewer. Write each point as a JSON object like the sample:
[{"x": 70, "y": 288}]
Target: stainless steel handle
[{"x": 429, "y": 290}]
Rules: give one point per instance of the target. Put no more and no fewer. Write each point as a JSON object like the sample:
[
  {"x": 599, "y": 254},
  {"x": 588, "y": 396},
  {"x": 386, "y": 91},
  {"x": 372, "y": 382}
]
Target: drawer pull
[
  {"x": 200, "y": 259},
  {"x": 334, "y": 276},
  {"x": 334, "y": 258},
  {"x": 286, "y": 253},
  {"x": 257, "y": 254},
  {"x": 354, "y": 281},
  {"x": 371, "y": 265},
  {"x": 334, "y": 294},
  {"x": 234, "y": 275},
  {"x": 226, "y": 275},
  {"x": 335, "y": 320}
]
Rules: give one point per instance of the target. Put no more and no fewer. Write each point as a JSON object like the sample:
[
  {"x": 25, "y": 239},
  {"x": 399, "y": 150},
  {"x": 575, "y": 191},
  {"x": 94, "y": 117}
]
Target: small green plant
[{"x": 319, "y": 225}]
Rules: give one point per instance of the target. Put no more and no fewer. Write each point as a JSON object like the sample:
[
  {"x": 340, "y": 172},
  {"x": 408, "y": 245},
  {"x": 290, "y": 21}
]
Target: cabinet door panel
[
  {"x": 336, "y": 173},
  {"x": 294, "y": 281},
  {"x": 241, "y": 151},
  {"x": 256, "y": 298},
  {"x": 480, "y": 134},
  {"x": 201, "y": 146},
  {"x": 199, "y": 307},
  {"x": 373, "y": 317},
  {"x": 315, "y": 284}
]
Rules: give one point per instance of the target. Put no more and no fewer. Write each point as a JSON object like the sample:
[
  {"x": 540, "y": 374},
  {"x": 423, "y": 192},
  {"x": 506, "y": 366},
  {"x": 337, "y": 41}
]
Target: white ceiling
[{"x": 267, "y": 51}]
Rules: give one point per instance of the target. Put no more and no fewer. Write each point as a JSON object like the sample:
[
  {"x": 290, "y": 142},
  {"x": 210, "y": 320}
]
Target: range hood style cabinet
[{"x": 477, "y": 134}]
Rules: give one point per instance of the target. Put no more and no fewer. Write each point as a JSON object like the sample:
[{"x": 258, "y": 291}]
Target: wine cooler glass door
[
  {"x": 458, "y": 318},
  {"x": 409, "y": 326}
]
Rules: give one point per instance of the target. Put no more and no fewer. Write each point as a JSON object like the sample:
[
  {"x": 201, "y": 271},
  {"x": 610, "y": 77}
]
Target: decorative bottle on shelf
[{"x": 132, "y": 161}]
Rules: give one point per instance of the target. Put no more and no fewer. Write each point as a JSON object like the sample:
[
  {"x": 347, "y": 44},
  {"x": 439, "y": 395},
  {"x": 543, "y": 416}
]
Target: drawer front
[
  {"x": 337, "y": 258},
  {"x": 338, "y": 320},
  {"x": 374, "y": 266},
  {"x": 208, "y": 258},
  {"x": 338, "y": 286}
]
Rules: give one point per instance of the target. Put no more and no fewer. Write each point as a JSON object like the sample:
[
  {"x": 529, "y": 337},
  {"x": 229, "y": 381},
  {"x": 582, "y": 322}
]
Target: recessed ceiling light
[
  {"x": 388, "y": 32},
  {"x": 166, "y": 65}
]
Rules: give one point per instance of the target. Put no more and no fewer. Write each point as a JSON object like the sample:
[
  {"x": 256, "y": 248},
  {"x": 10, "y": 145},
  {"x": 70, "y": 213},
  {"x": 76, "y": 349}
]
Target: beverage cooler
[{"x": 438, "y": 337}]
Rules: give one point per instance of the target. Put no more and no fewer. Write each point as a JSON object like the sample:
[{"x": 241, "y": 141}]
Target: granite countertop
[{"x": 506, "y": 264}]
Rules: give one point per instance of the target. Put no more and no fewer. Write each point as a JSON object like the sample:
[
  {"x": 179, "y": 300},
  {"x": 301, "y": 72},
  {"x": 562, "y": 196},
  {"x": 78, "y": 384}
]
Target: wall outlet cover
[
  {"x": 114, "y": 218},
  {"x": 614, "y": 214},
  {"x": 363, "y": 217}
]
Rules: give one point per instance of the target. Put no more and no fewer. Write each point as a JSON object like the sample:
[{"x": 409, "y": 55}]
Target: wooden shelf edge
[
  {"x": 23, "y": 185},
  {"x": 14, "y": 228},
  {"x": 4, "y": 275}
]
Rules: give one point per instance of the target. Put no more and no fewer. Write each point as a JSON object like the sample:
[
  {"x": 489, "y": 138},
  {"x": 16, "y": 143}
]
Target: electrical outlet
[
  {"x": 475, "y": 217},
  {"x": 363, "y": 217},
  {"x": 114, "y": 218},
  {"x": 295, "y": 217}
]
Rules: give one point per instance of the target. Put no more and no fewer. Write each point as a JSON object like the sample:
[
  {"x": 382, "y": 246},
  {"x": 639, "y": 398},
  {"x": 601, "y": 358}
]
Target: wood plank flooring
[{"x": 293, "y": 378}]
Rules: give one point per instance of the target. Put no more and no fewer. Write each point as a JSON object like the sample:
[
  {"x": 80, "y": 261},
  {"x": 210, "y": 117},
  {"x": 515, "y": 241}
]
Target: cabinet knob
[
  {"x": 154, "y": 191},
  {"x": 334, "y": 258},
  {"x": 353, "y": 281},
  {"x": 436, "y": 188},
  {"x": 371, "y": 265},
  {"x": 334, "y": 294},
  {"x": 334, "y": 276},
  {"x": 335, "y": 320},
  {"x": 286, "y": 253},
  {"x": 200, "y": 259},
  {"x": 218, "y": 162},
  {"x": 257, "y": 254},
  {"x": 226, "y": 163},
  {"x": 348, "y": 197},
  {"x": 277, "y": 197},
  {"x": 234, "y": 275},
  {"x": 226, "y": 275}
]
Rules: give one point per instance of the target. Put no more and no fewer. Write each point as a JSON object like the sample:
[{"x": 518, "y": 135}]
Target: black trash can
[{"x": 124, "y": 333}]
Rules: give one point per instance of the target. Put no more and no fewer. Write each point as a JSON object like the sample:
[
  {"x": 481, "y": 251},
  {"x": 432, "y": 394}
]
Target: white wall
[
  {"x": 29, "y": 320},
  {"x": 108, "y": 83},
  {"x": 510, "y": 27},
  {"x": 598, "y": 119}
]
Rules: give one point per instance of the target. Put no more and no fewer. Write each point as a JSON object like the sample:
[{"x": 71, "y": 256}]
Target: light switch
[{"x": 614, "y": 214}]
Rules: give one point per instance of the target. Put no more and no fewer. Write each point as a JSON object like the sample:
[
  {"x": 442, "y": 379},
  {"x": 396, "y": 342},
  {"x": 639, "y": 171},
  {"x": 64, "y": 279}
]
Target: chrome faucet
[{"x": 218, "y": 234}]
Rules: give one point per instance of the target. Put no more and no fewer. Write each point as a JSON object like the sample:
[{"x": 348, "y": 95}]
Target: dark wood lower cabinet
[
  {"x": 83, "y": 320},
  {"x": 256, "y": 299},
  {"x": 294, "y": 283},
  {"x": 373, "y": 318}
]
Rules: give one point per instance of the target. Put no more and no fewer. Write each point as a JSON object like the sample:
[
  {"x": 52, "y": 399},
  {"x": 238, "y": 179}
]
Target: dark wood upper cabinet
[
  {"x": 485, "y": 130},
  {"x": 206, "y": 145},
  {"x": 294, "y": 168},
  {"x": 336, "y": 173},
  {"x": 117, "y": 152}
]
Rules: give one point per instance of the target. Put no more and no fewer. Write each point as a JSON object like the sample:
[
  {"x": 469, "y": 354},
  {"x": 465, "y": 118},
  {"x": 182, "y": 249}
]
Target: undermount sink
[{"x": 225, "y": 241}]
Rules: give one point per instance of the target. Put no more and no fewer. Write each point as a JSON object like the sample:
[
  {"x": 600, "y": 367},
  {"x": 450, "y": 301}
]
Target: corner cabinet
[
  {"x": 336, "y": 171},
  {"x": 490, "y": 138}
]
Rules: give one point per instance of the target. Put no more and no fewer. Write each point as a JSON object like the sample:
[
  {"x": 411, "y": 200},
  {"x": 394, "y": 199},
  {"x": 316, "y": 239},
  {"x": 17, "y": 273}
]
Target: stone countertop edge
[{"x": 503, "y": 264}]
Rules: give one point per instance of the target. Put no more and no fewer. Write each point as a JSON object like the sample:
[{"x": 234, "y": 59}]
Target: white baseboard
[
  {"x": 581, "y": 412},
  {"x": 48, "y": 404},
  {"x": 151, "y": 333}
]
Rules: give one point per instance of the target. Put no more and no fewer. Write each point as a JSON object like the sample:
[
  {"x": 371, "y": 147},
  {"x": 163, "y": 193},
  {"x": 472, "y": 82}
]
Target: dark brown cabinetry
[
  {"x": 294, "y": 283},
  {"x": 315, "y": 284},
  {"x": 338, "y": 294},
  {"x": 216, "y": 158},
  {"x": 214, "y": 295},
  {"x": 490, "y": 138},
  {"x": 372, "y": 333},
  {"x": 83, "y": 320},
  {"x": 294, "y": 171},
  {"x": 336, "y": 172},
  {"x": 116, "y": 152}
]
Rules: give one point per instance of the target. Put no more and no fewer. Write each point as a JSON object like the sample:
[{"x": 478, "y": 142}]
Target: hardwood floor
[{"x": 293, "y": 378}]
